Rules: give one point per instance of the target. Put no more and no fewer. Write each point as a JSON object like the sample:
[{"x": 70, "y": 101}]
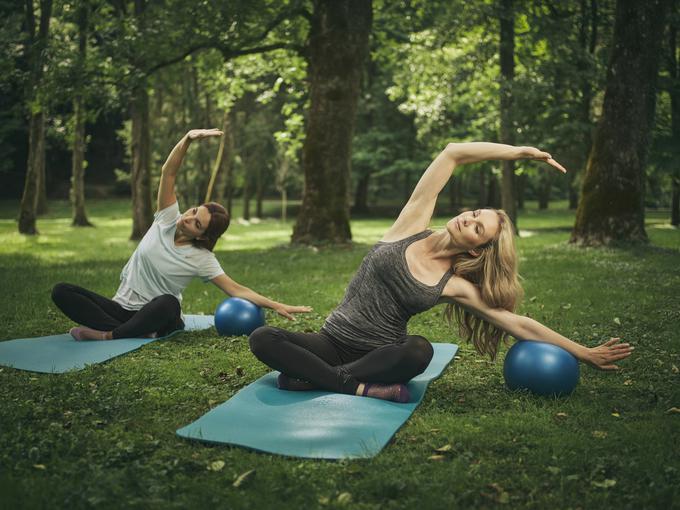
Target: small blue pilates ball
[
  {"x": 542, "y": 368},
  {"x": 236, "y": 317}
]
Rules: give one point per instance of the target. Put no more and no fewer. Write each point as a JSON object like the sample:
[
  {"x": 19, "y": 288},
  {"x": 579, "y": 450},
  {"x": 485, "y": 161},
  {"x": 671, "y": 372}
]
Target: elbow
[
  {"x": 452, "y": 151},
  {"x": 525, "y": 329}
]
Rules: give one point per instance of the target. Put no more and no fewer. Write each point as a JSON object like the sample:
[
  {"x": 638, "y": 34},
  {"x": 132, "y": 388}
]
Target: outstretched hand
[
  {"x": 534, "y": 153},
  {"x": 603, "y": 356},
  {"x": 287, "y": 310},
  {"x": 197, "y": 134}
]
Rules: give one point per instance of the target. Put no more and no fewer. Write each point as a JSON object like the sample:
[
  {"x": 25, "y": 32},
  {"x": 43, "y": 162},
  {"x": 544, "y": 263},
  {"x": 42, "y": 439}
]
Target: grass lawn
[{"x": 104, "y": 437}]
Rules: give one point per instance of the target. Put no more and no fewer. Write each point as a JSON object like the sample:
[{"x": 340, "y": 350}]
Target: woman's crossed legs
[{"x": 318, "y": 359}]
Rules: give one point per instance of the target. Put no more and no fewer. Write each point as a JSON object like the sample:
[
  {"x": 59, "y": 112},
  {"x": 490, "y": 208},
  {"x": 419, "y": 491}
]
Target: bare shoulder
[{"x": 459, "y": 289}]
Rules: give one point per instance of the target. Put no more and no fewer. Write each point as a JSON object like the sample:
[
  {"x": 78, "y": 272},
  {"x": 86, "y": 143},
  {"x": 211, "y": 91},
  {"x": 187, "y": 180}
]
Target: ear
[{"x": 474, "y": 253}]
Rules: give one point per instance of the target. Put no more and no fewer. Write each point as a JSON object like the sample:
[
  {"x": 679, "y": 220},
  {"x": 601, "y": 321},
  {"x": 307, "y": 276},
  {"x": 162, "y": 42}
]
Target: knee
[
  {"x": 260, "y": 340},
  {"x": 420, "y": 351},
  {"x": 59, "y": 292},
  {"x": 169, "y": 304}
]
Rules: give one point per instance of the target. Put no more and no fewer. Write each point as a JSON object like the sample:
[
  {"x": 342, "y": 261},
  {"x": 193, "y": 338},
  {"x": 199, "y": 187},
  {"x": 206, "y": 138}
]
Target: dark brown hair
[{"x": 219, "y": 222}]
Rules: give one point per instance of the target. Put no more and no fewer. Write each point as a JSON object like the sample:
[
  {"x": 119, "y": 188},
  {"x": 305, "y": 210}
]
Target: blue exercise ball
[
  {"x": 236, "y": 316},
  {"x": 543, "y": 369}
]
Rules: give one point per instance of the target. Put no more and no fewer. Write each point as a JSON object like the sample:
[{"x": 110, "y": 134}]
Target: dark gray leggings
[
  {"x": 161, "y": 315},
  {"x": 322, "y": 360}
]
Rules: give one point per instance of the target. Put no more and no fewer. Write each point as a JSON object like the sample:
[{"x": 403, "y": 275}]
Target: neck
[
  {"x": 439, "y": 246},
  {"x": 181, "y": 238}
]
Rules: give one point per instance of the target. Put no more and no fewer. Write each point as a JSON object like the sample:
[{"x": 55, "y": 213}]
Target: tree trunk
[
  {"x": 611, "y": 208},
  {"x": 588, "y": 44},
  {"x": 140, "y": 177},
  {"x": 29, "y": 199},
  {"x": 361, "y": 193},
  {"x": 77, "y": 193},
  {"x": 259, "y": 190},
  {"x": 544, "y": 188},
  {"x": 246, "y": 195},
  {"x": 521, "y": 182},
  {"x": 35, "y": 58},
  {"x": 224, "y": 153},
  {"x": 78, "y": 169},
  {"x": 483, "y": 191},
  {"x": 338, "y": 44},
  {"x": 675, "y": 120},
  {"x": 41, "y": 200},
  {"x": 455, "y": 194},
  {"x": 507, "y": 132},
  {"x": 494, "y": 197}
]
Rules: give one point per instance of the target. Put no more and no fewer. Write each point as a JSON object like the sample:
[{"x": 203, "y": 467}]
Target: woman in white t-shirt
[{"x": 176, "y": 248}]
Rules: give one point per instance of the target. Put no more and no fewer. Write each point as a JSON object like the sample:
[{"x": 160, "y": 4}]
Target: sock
[
  {"x": 285, "y": 382},
  {"x": 83, "y": 333},
  {"x": 394, "y": 392}
]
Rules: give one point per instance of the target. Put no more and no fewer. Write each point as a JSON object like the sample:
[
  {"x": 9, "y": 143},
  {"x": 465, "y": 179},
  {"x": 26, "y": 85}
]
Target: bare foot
[
  {"x": 83, "y": 333},
  {"x": 394, "y": 392}
]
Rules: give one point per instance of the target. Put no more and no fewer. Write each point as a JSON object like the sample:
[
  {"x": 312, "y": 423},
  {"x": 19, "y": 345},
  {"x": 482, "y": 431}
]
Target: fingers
[
  {"x": 286, "y": 315},
  {"x": 555, "y": 164}
]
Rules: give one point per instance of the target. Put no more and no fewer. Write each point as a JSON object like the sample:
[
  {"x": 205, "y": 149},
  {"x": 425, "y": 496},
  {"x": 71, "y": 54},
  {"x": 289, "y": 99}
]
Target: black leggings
[
  {"x": 317, "y": 358},
  {"x": 161, "y": 315}
]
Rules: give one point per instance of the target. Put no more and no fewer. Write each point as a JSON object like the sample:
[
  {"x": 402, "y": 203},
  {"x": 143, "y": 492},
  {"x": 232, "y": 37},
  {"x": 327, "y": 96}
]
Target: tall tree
[
  {"x": 611, "y": 208},
  {"x": 507, "y": 130},
  {"x": 78, "y": 163},
  {"x": 674, "y": 72},
  {"x": 36, "y": 46},
  {"x": 338, "y": 43}
]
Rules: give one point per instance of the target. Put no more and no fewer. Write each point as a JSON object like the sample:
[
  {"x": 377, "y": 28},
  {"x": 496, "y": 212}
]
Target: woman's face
[
  {"x": 194, "y": 222},
  {"x": 472, "y": 229}
]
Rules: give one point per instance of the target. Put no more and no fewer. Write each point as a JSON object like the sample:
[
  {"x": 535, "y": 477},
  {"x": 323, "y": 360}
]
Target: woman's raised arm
[
  {"x": 603, "y": 356},
  {"x": 416, "y": 214},
  {"x": 166, "y": 188}
]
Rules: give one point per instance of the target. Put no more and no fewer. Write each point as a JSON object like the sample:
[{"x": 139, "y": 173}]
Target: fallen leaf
[
  {"x": 40, "y": 466},
  {"x": 324, "y": 500},
  {"x": 604, "y": 484},
  {"x": 437, "y": 458},
  {"x": 561, "y": 415},
  {"x": 533, "y": 298},
  {"x": 243, "y": 478},
  {"x": 617, "y": 321},
  {"x": 616, "y": 415},
  {"x": 673, "y": 410},
  {"x": 345, "y": 498},
  {"x": 217, "y": 465},
  {"x": 675, "y": 369},
  {"x": 599, "y": 434},
  {"x": 566, "y": 306},
  {"x": 627, "y": 382},
  {"x": 434, "y": 430},
  {"x": 444, "y": 449}
]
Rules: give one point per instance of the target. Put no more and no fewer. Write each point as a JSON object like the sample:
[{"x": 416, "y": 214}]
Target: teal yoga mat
[
  {"x": 56, "y": 354},
  {"x": 312, "y": 424}
]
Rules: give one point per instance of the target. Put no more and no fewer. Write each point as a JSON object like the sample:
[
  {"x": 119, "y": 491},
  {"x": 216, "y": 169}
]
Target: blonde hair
[{"x": 494, "y": 272}]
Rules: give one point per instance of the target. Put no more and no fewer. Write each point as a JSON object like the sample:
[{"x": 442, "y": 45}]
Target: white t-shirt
[{"x": 159, "y": 267}]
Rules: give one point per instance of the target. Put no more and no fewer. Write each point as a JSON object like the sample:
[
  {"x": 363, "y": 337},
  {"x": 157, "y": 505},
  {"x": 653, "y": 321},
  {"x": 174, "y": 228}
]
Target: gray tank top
[{"x": 382, "y": 297}]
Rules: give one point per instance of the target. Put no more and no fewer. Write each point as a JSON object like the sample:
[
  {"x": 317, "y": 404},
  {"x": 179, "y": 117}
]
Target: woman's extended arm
[
  {"x": 467, "y": 295},
  {"x": 235, "y": 289},
  {"x": 416, "y": 214},
  {"x": 166, "y": 188}
]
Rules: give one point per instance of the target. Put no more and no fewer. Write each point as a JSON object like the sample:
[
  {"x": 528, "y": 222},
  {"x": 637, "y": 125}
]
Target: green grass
[{"x": 105, "y": 437}]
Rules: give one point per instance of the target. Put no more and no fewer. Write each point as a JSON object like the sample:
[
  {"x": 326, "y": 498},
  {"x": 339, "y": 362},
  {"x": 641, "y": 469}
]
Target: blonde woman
[{"x": 471, "y": 266}]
